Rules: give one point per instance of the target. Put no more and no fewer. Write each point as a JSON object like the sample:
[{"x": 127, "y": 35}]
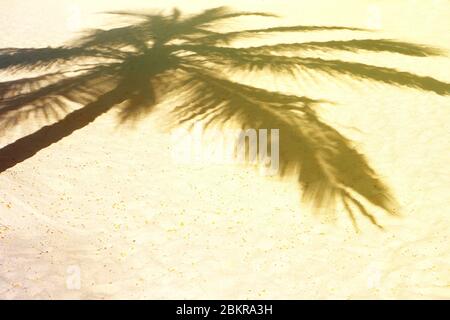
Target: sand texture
[{"x": 110, "y": 207}]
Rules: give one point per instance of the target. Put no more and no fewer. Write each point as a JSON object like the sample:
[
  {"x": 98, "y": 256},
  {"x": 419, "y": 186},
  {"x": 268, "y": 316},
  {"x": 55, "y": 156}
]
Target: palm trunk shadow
[{"x": 26, "y": 147}]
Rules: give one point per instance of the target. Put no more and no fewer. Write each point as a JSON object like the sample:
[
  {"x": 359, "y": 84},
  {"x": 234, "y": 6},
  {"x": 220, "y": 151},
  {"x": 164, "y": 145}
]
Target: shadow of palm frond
[
  {"x": 328, "y": 167},
  {"x": 356, "y": 45},
  {"x": 159, "y": 56},
  {"x": 249, "y": 59},
  {"x": 48, "y": 95}
]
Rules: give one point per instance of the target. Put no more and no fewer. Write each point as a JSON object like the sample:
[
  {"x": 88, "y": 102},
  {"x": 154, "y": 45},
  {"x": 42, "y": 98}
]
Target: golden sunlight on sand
[{"x": 108, "y": 213}]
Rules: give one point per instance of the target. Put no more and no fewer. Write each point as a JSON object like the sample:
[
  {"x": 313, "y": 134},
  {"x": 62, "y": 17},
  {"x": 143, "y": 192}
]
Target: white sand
[{"x": 110, "y": 202}]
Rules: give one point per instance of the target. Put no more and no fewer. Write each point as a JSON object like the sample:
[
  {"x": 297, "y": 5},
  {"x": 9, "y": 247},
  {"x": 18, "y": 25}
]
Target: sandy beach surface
[{"x": 107, "y": 213}]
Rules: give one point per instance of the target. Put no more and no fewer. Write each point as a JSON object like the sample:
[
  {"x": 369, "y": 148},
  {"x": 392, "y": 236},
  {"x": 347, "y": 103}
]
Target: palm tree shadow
[{"x": 160, "y": 56}]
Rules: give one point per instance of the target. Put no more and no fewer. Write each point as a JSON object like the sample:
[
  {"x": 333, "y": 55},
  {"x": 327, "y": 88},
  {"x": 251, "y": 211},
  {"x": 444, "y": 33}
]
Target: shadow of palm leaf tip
[{"x": 158, "y": 56}]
